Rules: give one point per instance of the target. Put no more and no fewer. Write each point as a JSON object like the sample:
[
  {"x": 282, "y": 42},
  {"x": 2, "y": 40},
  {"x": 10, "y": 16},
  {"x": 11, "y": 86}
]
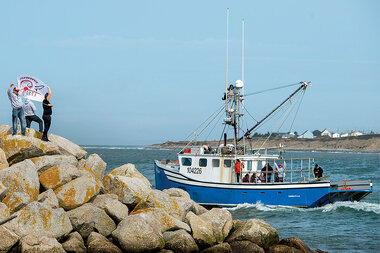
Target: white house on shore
[
  {"x": 356, "y": 133},
  {"x": 306, "y": 135},
  {"x": 335, "y": 135},
  {"x": 325, "y": 132}
]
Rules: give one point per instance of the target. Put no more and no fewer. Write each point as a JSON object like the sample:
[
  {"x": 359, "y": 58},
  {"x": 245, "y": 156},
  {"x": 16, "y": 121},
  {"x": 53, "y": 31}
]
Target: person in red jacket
[{"x": 238, "y": 169}]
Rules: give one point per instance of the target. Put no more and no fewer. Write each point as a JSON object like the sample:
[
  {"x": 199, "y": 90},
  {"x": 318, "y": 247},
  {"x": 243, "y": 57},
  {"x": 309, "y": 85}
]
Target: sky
[{"x": 144, "y": 72}]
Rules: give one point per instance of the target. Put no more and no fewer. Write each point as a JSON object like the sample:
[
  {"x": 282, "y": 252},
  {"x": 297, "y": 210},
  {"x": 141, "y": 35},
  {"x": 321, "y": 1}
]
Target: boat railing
[{"x": 296, "y": 170}]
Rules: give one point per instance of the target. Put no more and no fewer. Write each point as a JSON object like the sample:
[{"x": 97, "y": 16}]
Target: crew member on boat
[
  {"x": 318, "y": 171},
  {"x": 238, "y": 169},
  {"x": 267, "y": 170},
  {"x": 246, "y": 178},
  {"x": 279, "y": 172}
]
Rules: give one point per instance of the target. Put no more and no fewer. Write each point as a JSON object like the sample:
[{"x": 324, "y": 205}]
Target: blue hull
[{"x": 296, "y": 194}]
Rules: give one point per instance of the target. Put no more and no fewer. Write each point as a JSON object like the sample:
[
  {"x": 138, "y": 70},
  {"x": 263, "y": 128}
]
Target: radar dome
[{"x": 239, "y": 84}]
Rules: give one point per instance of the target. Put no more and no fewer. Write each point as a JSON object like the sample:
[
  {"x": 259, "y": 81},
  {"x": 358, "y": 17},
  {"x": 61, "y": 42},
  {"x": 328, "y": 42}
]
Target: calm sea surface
[{"x": 340, "y": 227}]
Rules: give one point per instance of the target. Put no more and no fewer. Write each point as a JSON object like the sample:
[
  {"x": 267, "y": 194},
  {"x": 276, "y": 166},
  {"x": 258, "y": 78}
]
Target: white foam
[{"x": 359, "y": 206}]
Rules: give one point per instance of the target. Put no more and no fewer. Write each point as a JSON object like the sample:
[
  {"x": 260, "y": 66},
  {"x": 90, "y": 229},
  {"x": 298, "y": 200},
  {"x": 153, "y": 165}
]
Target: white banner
[{"x": 32, "y": 88}]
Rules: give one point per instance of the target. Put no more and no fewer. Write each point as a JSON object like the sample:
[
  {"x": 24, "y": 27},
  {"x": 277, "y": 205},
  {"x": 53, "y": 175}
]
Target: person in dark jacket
[
  {"x": 47, "y": 106},
  {"x": 318, "y": 171},
  {"x": 267, "y": 170}
]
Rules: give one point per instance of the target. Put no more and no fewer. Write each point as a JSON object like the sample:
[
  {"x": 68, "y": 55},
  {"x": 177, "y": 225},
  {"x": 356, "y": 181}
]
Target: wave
[
  {"x": 358, "y": 206},
  {"x": 337, "y": 206},
  {"x": 100, "y": 147},
  {"x": 124, "y": 148}
]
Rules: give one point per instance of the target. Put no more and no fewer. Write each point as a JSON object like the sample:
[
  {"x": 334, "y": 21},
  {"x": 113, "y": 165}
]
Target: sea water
[{"x": 338, "y": 227}]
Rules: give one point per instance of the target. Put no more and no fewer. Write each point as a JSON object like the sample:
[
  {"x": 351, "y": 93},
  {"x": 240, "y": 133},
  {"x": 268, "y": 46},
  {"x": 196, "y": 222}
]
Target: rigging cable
[
  {"x": 289, "y": 110},
  {"x": 299, "y": 105},
  {"x": 221, "y": 109},
  {"x": 276, "y": 88}
]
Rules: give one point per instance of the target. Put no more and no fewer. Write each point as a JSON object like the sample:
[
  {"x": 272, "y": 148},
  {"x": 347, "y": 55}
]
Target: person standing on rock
[
  {"x": 30, "y": 115},
  {"x": 17, "y": 109},
  {"x": 46, "y": 105}
]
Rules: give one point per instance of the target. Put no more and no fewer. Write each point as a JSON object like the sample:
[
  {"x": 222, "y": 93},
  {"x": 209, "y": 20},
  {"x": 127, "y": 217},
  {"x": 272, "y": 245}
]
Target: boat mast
[
  {"x": 302, "y": 87},
  {"x": 242, "y": 76},
  {"x": 228, "y": 13}
]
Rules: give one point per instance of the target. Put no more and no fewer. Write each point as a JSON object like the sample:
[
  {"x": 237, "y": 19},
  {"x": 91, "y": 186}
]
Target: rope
[
  {"x": 276, "y": 88},
  {"x": 299, "y": 105},
  {"x": 221, "y": 109},
  {"x": 282, "y": 121}
]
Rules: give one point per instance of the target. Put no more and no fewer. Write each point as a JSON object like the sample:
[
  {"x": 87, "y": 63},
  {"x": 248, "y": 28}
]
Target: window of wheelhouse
[
  {"x": 186, "y": 161},
  {"x": 227, "y": 163},
  {"x": 202, "y": 162},
  {"x": 215, "y": 163}
]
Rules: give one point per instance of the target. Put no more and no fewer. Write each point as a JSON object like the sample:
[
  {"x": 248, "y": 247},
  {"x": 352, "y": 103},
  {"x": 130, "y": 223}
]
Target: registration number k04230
[{"x": 194, "y": 170}]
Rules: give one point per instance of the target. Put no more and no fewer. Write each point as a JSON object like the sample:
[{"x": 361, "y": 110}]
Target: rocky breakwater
[{"x": 54, "y": 199}]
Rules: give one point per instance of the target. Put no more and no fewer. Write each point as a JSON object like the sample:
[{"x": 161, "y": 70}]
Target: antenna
[
  {"x": 242, "y": 73},
  {"x": 228, "y": 14},
  {"x": 242, "y": 52}
]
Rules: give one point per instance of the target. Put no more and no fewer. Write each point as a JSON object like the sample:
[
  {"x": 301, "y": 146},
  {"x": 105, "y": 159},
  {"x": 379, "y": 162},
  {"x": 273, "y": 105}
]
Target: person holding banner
[
  {"x": 47, "y": 114},
  {"x": 30, "y": 115},
  {"x": 17, "y": 109}
]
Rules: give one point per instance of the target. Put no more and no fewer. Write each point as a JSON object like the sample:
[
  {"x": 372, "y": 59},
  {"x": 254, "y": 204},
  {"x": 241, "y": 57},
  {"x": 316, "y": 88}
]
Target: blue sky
[{"x": 142, "y": 72}]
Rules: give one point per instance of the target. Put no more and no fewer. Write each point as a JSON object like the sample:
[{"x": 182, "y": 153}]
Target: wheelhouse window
[
  {"x": 186, "y": 161},
  {"x": 215, "y": 162},
  {"x": 202, "y": 162},
  {"x": 227, "y": 163}
]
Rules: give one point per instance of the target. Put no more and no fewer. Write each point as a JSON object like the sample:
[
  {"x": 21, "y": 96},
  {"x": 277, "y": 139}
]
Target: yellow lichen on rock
[
  {"x": 50, "y": 178},
  {"x": 77, "y": 192}
]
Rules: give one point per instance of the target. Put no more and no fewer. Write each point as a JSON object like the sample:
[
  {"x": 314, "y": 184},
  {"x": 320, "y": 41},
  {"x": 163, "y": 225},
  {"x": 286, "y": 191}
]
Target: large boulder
[
  {"x": 89, "y": 218},
  {"x": 16, "y": 200},
  {"x": 202, "y": 230},
  {"x": 77, "y": 192},
  {"x": 256, "y": 231},
  {"x": 96, "y": 164},
  {"x": 160, "y": 199},
  {"x": 280, "y": 248},
  {"x": 67, "y": 147},
  {"x": 221, "y": 221},
  {"x": 184, "y": 201},
  {"x": 47, "y": 161},
  {"x": 296, "y": 243},
  {"x": 112, "y": 206},
  {"x": 3, "y": 191},
  {"x": 4, "y": 211},
  {"x": 128, "y": 170},
  {"x": 245, "y": 246},
  {"x": 48, "y": 197},
  {"x": 41, "y": 244},
  {"x": 41, "y": 220},
  {"x": 21, "y": 177},
  {"x": 130, "y": 191},
  {"x": 219, "y": 248},
  {"x": 3, "y": 160},
  {"x": 8, "y": 239},
  {"x": 74, "y": 244},
  {"x": 59, "y": 175},
  {"x": 136, "y": 234},
  {"x": 18, "y": 148},
  {"x": 180, "y": 241},
  {"x": 98, "y": 243},
  {"x": 159, "y": 218}
]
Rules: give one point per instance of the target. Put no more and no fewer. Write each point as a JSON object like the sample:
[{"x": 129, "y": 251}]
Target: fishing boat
[{"x": 209, "y": 174}]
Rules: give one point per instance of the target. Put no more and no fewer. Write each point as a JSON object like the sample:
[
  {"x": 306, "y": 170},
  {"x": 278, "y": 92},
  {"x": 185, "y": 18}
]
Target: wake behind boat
[{"x": 235, "y": 173}]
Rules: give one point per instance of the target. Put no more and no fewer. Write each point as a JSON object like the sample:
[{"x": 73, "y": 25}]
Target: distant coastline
[{"x": 365, "y": 143}]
